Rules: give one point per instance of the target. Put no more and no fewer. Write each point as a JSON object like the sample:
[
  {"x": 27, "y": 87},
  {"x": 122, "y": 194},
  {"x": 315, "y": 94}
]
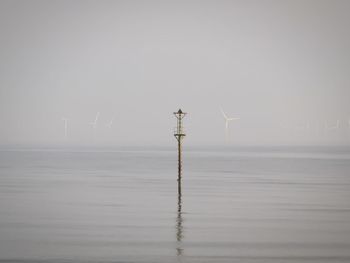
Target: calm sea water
[{"x": 237, "y": 205}]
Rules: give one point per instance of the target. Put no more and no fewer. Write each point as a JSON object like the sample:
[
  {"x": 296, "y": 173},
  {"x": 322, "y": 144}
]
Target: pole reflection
[{"x": 179, "y": 220}]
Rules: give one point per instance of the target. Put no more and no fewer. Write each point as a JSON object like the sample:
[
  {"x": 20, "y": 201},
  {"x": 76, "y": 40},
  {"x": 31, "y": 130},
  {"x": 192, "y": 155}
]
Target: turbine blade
[
  {"x": 223, "y": 113},
  {"x": 97, "y": 115}
]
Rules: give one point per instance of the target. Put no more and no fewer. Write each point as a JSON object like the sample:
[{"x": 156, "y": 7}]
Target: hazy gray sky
[{"x": 268, "y": 62}]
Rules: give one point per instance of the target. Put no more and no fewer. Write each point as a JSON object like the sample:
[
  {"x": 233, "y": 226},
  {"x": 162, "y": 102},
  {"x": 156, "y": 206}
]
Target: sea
[{"x": 231, "y": 204}]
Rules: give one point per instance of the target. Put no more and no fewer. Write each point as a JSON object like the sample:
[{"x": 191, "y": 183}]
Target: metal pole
[
  {"x": 179, "y": 166},
  {"x": 179, "y": 134}
]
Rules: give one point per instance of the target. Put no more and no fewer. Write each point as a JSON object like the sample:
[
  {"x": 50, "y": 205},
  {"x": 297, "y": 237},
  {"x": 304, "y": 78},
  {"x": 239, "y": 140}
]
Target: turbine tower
[
  {"x": 65, "y": 120},
  {"x": 227, "y": 120}
]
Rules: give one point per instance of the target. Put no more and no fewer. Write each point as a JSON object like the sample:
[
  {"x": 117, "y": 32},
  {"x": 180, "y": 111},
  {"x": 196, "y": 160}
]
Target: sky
[{"x": 282, "y": 67}]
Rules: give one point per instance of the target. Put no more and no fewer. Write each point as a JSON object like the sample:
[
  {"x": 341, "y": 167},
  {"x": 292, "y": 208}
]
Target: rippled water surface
[{"x": 237, "y": 205}]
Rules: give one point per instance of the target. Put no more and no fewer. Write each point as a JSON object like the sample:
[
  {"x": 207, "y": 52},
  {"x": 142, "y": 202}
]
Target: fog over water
[
  {"x": 88, "y": 160},
  {"x": 281, "y": 66}
]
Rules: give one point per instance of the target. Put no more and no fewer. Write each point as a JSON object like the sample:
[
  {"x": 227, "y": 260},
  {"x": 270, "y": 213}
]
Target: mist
[{"x": 282, "y": 67}]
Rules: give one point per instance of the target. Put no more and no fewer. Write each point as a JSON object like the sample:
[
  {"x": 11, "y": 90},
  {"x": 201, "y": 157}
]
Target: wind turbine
[
  {"x": 227, "y": 120},
  {"x": 94, "y": 123},
  {"x": 335, "y": 127},
  {"x": 65, "y": 120},
  {"x": 109, "y": 125},
  {"x": 304, "y": 127}
]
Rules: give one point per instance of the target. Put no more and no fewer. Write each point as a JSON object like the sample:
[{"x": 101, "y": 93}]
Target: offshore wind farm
[
  {"x": 256, "y": 94},
  {"x": 324, "y": 133}
]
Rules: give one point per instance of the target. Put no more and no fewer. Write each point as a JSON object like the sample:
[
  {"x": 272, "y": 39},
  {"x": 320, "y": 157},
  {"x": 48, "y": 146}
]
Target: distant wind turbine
[
  {"x": 335, "y": 127},
  {"x": 227, "y": 120},
  {"x": 109, "y": 125},
  {"x": 304, "y": 127},
  {"x": 94, "y": 123},
  {"x": 283, "y": 125},
  {"x": 65, "y": 120}
]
